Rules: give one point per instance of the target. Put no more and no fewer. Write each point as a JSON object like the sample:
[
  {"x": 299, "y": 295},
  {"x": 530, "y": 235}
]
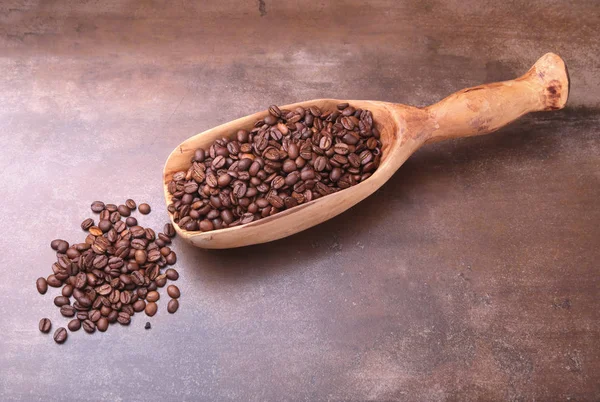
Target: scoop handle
[{"x": 486, "y": 108}]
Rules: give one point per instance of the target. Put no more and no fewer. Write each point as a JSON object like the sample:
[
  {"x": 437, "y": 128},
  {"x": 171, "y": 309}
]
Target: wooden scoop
[{"x": 473, "y": 111}]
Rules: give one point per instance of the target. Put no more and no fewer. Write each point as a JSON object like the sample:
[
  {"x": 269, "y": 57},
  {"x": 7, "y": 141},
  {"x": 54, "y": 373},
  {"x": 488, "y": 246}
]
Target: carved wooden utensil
[{"x": 473, "y": 111}]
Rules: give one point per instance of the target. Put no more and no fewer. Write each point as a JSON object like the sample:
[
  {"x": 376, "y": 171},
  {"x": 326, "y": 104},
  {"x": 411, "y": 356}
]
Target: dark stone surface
[{"x": 471, "y": 275}]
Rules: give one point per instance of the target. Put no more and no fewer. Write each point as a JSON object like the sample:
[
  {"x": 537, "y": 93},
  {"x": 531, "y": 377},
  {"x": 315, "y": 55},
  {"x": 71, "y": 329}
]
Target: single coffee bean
[
  {"x": 124, "y": 210},
  {"x": 139, "y": 305},
  {"x": 45, "y": 325},
  {"x": 172, "y": 306},
  {"x": 171, "y": 259},
  {"x": 74, "y": 325},
  {"x": 86, "y": 224},
  {"x": 104, "y": 215},
  {"x": 161, "y": 281},
  {"x": 41, "y": 285},
  {"x": 67, "y": 290},
  {"x": 60, "y": 301},
  {"x": 102, "y": 324},
  {"x": 130, "y": 204},
  {"x": 131, "y": 221},
  {"x": 173, "y": 291},
  {"x": 67, "y": 311},
  {"x": 97, "y": 206},
  {"x": 124, "y": 318},
  {"x": 172, "y": 274},
  {"x": 82, "y": 315},
  {"x": 95, "y": 230},
  {"x": 89, "y": 326},
  {"x": 151, "y": 309},
  {"x": 144, "y": 209},
  {"x": 152, "y": 296},
  {"x": 105, "y": 225},
  {"x": 112, "y": 316},
  {"x": 60, "y": 335},
  {"x": 53, "y": 281},
  {"x": 111, "y": 207}
]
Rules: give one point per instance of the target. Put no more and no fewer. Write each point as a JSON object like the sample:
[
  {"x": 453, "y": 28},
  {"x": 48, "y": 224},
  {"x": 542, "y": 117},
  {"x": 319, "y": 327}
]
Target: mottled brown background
[{"x": 471, "y": 275}]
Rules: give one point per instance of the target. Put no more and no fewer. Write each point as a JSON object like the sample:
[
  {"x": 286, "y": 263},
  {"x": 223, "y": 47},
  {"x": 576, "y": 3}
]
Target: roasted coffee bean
[
  {"x": 86, "y": 224},
  {"x": 104, "y": 225},
  {"x": 82, "y": 315},
  {"x": 41, "y": 285},
  {"x": 97, "y": 206},
  {"x": 173, "y": 291},
  {"x": 45, "y": 325},
  {"x": 144, "y": 209},
  {"x": 152, "y": 296},
  {"x": 161, "y": 280},
  {"x": 95, "y": 231},
  {"x": 104, "y": 215},
  {"x": 60, "y": 301},
  {"x": 67, "y": 311},
  {"x": 124, "y": 210},
  {"x": 169, "y": 230},
  {"x": 173, "y": 306},
  {"x": 102, "y": 324},
  {"x": 124, "y": 318},
  {"x": 53, "y": 281},
  {"x": 67, "y": 290},
  {"x": 131, "y": 221},
  {"x": 171, "y": 259},
  {"x": 112, "y": 316},
  {"x": 89, "y": 326},
  {"x": 130, "y": 204},
  {"x": 94, "y": 315},
  {"x": 172, "y": 274},
  {"x": 60, "y": 335},
  {"x": 139, "y": 305},
  {"x": 151, "y": 309},
  {"x": 74, "y": 325}
]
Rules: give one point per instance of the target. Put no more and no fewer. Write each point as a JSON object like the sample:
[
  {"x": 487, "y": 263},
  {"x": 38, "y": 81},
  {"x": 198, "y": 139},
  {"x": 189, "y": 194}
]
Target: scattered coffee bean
[
  {"x": 60, "y": 335},
  {"x": 86, "y": 224},
  {"x": 67, "y": 311},
  {"x": 89, "y": 326},
  {"x": 102, "y": 324},
  {"x": 45, "y": 325},
  {"x": 151, "y": 309},
  {"x": 173, "y": 306},
  {"x": 60, "y": 301},
  {"x": 152, "y": 296},
  {"x": 172, "y": 274},
  {"x": 144, "y": 209},
  {"x": 116, "y": 271},
  {"x": 169, "y": 230},
  {"x": 53, "y": 281},
  {"x": 173, "y": 291},
  {"x": 97, "y": 206},
  {"x": 289, "y": 158},
  {"x": 41, "y": 285},
  {"x": 74, "y": 325}
]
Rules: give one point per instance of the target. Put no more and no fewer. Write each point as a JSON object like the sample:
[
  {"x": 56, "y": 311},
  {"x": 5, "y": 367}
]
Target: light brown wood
[{"x": 473, "y": 111}]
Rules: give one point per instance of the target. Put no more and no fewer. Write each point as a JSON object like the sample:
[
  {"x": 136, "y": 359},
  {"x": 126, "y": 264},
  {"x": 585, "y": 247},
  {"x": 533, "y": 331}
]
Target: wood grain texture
[
  {"x": 472, "y": 274},
  {"x": 473, "y": 111}
]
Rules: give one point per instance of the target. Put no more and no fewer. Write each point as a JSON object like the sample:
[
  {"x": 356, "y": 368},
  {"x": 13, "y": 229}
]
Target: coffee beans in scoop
[
  {"x": 289, "y": 158},
  {"x": 113, "y": 273}
]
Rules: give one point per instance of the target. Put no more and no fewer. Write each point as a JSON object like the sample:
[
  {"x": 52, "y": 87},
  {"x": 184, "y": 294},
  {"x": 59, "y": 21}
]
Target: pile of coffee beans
[
  {"x": 288, "y": 158},
  {"x": 113, "y": 274}
]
